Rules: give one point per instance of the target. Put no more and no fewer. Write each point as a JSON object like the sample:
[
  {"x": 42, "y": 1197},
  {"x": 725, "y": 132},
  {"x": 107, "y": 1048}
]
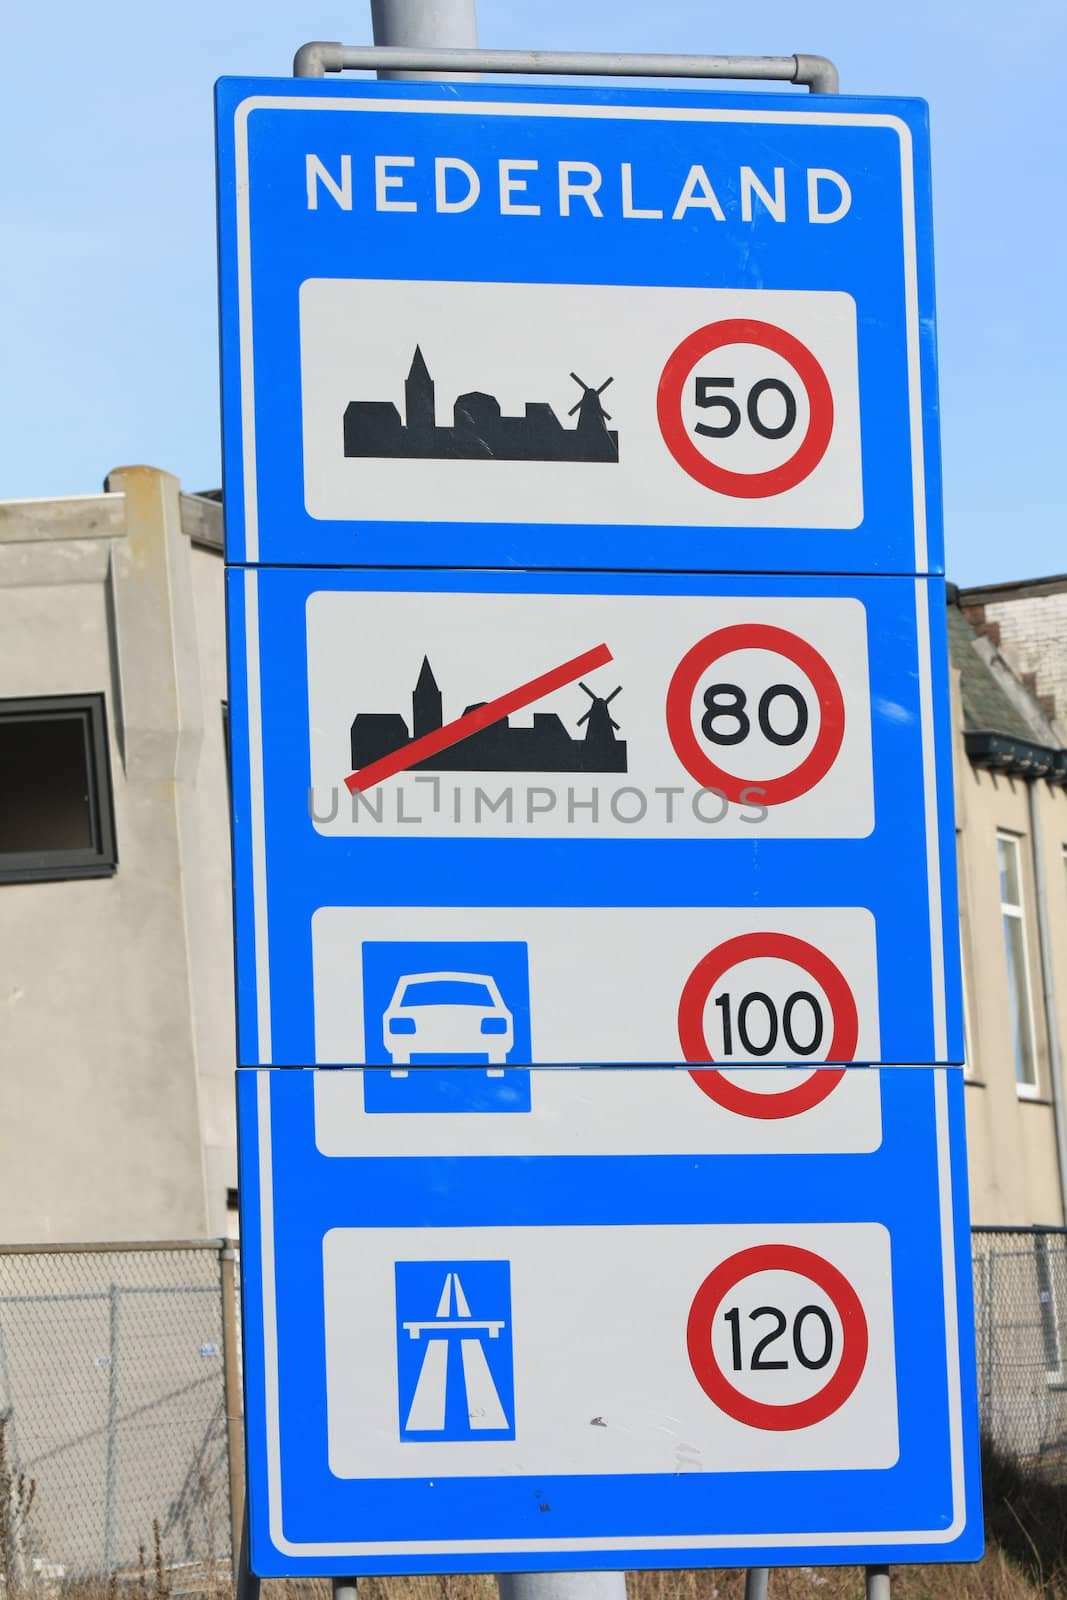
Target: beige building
[
  {"x": 116, "y": 1005},
  {"x": 1011, "y": 817}
]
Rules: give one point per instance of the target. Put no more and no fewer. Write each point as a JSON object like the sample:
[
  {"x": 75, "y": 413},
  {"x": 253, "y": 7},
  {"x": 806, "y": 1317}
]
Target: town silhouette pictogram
[
  {"x": 544, "y": 747},
  {"x": 479, "y": 431}
]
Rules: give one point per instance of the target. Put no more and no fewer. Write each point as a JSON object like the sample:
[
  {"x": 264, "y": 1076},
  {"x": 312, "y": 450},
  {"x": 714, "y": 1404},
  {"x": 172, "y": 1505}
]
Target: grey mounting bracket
[{"x": 316, "y": 59}]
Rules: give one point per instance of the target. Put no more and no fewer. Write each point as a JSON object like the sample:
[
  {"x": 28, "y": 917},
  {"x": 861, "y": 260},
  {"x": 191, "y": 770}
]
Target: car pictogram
[{"x": 435, "y": 1014}]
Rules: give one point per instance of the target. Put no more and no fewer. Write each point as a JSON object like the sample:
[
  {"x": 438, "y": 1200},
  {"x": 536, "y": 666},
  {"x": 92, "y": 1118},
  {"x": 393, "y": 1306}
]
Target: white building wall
[{"x": 116, "y": 1012}]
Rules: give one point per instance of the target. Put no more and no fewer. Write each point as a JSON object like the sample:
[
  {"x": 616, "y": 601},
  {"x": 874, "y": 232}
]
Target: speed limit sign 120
[{"x": 791, "y": 1330}]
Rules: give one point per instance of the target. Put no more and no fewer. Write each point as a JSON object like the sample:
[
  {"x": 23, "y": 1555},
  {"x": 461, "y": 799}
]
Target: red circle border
[
  {"x": 745, "y": 485},
  {"x": 768, "y": 1107},
  {"x": 756, "y": 636},
  {"x": 698, "y": 986},
  {"x": 712, "y": 1379}
]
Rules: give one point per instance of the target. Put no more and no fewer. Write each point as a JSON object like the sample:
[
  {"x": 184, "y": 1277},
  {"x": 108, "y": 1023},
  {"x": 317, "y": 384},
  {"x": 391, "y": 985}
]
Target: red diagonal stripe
[{"x": 430, "y": 744}]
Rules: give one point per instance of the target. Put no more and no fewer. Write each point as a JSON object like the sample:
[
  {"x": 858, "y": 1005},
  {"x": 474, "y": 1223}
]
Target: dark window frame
[{"x": 101, "y": 858}]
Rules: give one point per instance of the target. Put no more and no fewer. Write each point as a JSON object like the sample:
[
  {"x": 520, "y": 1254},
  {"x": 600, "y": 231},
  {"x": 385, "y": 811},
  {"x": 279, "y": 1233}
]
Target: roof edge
[
  {"x": 999, "y": 752},
  {"x": 1014, "y": 589}
]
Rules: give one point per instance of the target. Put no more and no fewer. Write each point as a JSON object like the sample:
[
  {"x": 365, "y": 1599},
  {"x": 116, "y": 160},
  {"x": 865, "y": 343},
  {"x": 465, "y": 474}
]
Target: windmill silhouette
[
  {"x": 592, "y": 418},
  {"x": 602, "y": 725},
  {"x": 589, "y": 405}
]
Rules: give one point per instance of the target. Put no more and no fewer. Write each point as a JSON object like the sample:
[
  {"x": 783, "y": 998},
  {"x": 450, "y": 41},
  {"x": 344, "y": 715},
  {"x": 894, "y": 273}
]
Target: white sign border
[{"x": 251, "y": 554}]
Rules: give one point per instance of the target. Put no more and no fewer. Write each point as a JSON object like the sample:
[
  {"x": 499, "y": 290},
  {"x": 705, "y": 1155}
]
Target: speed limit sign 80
[{"x": 775, "y": 720}]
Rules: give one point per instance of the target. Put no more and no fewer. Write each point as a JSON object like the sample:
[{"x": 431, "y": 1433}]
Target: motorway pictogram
[{"x": 454, "y": 1369}]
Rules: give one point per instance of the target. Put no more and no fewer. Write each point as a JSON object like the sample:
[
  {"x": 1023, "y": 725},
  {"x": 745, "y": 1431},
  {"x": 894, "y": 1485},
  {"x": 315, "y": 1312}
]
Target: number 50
[{"x": 706, "y": 399}]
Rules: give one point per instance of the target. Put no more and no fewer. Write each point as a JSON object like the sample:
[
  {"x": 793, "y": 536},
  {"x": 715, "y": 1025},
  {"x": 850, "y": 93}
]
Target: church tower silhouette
[
  {"x": 426, "y": 705},
  {"x": 420, "y": 412}
]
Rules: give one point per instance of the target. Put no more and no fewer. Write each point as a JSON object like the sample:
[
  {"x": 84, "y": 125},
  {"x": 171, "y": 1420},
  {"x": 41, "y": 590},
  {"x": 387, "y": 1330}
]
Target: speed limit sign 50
[
  {"x": 757, "y": 435},
  {"x": 757, "y": 410}
]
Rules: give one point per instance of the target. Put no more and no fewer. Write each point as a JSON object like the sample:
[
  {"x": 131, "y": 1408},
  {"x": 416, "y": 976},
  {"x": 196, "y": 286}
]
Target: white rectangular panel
[
  {"x": 707, "y": 716},
  {"x": 601, "y": 1390},
  {"x": 778, "y": 370}
]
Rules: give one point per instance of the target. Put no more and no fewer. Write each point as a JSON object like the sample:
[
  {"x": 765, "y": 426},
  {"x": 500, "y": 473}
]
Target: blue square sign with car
[{"x": 443, "y": 1004}]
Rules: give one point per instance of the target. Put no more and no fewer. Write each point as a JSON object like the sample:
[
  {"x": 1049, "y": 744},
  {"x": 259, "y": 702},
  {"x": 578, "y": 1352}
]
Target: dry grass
[
  {"x": 996, "y": 1577},
  {"x": 1026, "y": 1559}
]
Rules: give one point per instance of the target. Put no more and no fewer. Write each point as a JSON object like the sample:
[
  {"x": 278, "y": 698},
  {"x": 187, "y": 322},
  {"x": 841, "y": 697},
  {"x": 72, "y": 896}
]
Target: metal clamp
[{"x": 316, "y": 59}]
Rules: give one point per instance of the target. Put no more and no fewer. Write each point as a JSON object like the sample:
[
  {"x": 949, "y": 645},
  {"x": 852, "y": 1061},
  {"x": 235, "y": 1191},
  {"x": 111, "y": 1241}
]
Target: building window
[
  {"x": 1013, "y": 922},
  {"x": 56, "y": 814}
]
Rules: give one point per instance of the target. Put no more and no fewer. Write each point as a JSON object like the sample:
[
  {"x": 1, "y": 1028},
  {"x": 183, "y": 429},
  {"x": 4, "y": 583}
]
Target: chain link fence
[
  {"x": 1020, "y": 1303},
  {"x": 120, "y": 1425},
  {"x": 118, "y": 1367}
]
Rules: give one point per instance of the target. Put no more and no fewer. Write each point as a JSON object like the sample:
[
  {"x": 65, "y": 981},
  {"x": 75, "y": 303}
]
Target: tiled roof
[{"x": 986, "y": 708}]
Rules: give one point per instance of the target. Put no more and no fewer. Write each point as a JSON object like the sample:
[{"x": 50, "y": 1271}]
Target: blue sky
[{"x": 107, "y": 202}]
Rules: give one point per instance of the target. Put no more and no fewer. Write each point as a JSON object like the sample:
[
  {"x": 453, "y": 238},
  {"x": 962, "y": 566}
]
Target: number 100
[{"x": 753, "y": 1047}]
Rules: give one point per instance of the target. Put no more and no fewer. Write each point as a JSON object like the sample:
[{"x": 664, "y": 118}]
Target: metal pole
[
  {"x": 246, "y": 1584},
  {"x": 415, "y": 23},
  {"x": 231, "y": 1389},
  {"x": 562, "y": 1585},
  {"x": 756, "y": 1582},
  {"x": 319, "y": 56},
  {"x": 878, "y": 1585},
  {"x": 344, "y": 1589},
  {"x": 112, "y": 1469}
]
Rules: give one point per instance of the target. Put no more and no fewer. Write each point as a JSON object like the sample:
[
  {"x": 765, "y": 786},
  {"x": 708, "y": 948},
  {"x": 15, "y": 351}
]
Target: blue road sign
[
  {"x": 456, "y": 1363},
  {"x": 490, "y": 326},
  {"x": 589, "y": 710}
]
